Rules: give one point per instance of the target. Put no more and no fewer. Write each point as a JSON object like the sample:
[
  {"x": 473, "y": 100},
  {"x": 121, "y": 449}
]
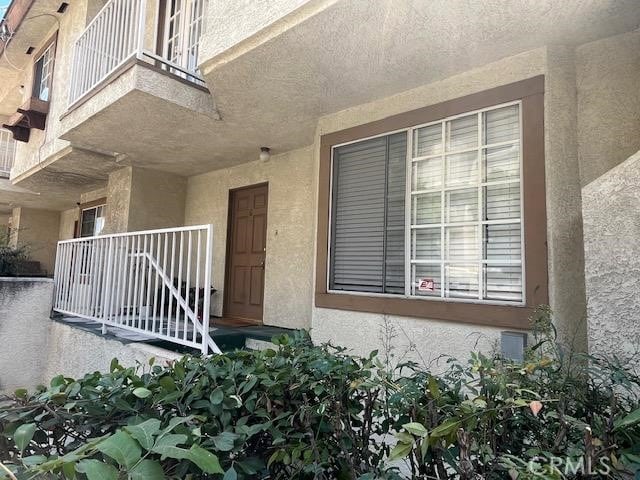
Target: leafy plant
[
  {"x": 11, "y": 260},
  {"x": 300, "y": 411}
]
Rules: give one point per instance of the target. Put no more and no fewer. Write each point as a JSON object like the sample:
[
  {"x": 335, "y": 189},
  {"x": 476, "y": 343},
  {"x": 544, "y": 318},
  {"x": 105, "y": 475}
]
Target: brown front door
[{"x": 246, "y": 253}]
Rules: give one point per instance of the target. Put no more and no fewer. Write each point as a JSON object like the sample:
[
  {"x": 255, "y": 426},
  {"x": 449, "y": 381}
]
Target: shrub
[
  {"x": 301, "y": 411},
  {"x": 11, "y": 260}
]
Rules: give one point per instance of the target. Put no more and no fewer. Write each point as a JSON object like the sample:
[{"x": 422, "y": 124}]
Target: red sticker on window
[{"x": 426, "y": 285}]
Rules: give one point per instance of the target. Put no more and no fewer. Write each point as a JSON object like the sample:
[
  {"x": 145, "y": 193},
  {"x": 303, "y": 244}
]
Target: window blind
[{"x": 368, "y": 213}]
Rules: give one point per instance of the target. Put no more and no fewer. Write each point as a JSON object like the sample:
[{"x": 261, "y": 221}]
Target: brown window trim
[{"x": 531, "y": 94}]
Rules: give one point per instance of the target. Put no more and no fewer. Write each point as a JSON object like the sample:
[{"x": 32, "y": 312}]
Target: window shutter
[{"x": 367, "y": 244}]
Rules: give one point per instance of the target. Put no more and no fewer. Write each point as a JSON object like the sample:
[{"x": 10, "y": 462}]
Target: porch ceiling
[
  {"x": 14, "y": 196},
  {"x": 276, "y": 85},
  {"x": 62, "y": 178}
]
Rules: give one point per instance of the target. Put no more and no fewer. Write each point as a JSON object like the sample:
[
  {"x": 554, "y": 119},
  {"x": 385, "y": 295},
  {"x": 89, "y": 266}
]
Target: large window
[{"x": 453, "y": 231}]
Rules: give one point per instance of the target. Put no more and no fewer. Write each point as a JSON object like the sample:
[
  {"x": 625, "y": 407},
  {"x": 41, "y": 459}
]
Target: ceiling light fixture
[{"x": 265, "y": 153}]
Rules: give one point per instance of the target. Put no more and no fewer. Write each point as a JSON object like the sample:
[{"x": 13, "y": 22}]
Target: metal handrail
[{"x": 128, "y": 280}]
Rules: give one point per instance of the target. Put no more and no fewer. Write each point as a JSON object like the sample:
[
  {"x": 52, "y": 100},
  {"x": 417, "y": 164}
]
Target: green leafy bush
[
  {"x": 11, "y": 260},
  {"x": 301, "y": 411}
]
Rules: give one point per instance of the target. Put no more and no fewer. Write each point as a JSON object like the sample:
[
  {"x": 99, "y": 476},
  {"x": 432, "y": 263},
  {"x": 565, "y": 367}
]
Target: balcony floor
[{"x": 227, "y": 338}]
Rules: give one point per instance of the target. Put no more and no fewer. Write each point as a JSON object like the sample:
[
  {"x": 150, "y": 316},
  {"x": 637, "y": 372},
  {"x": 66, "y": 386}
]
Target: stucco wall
[
  {"x": 37, "y": 230},
  {"x": 361, "y": 331},
  {"x": 24, "y": 304},
  {"x": 612, "y": 270},
  {"x": 564, "y": 216},
  {"x": 73, "y": 352},
  {"x": 118, "y": 201},
  {"x": 142, "y": 199},
  {"x": 93, "y": 195},
  {"x": 157, "y": 200},
  {"x": 237, "y": 21},
  {"x": 68, "y": 220},
  {"x": 608, "y": 81},
  {"x": 36, "y": 348},
  {"x": 290, "y": 224}
]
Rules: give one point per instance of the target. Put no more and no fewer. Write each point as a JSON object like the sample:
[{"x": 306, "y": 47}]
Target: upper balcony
[
  {"x": 125, "y": 30},
  {"x": 134, "y": 89}
]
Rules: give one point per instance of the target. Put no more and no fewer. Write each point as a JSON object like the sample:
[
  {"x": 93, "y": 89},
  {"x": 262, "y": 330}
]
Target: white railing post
[
  {"x": 106, "y": 287},
  {"x": 141, "y": 29},
  {"x": 207, "y": 290}
]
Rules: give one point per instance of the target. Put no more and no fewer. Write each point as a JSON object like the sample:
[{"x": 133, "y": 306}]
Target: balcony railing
[
  {"x": 156, "y": 283},
  {"x": 121, "y": 31},
  {"x": 7, "y": 152}
]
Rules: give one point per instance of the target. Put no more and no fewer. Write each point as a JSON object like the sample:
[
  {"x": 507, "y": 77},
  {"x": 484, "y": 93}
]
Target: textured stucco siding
[
  {"x": 564, "y": 216},
  {"x": 157, "y": 200},
  {"x": 608, "y": 82},
  {"x": 73, "y": 352},
  {"x": 36, "y": 348},
  {"x": 237, "y": 21},
  {"x": 290, "y": 225},
  {"x": 612, "y": 270},
  {"x": 68, "y": 220},
  {"x": 38, "y": 231},
  {"x": 118, "y": 201},
  {"x": 24, "y": 304},
  {"x": 141, "y": 199}
]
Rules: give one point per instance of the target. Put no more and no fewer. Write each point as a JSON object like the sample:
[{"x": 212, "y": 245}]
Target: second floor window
[{"x": 43, "y": 73}]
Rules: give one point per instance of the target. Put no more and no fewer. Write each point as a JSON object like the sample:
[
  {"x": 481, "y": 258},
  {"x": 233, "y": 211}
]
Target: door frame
[{"x": 227, "y": 258}]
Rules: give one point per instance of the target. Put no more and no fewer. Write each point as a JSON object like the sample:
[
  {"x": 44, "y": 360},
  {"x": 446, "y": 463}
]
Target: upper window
[
  {"x": 92, "y": 221},
  {"x": 432, "y": 211},
  {"x": 43, "y": 73},
  {"x": 183, "y": 29}
]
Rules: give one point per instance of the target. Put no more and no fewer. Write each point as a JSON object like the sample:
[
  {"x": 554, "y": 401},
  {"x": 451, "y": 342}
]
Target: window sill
[{"x": 501, "y": 316}]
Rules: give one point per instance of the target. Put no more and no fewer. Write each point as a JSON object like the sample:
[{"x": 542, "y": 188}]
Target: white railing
[
  {"x": 156, "y": 282},
  {"x": 7, "y": 152},
  {"x": 115, "y": 36}
]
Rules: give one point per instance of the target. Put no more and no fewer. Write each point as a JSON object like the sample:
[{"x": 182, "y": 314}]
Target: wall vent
[{"x": 513, "y": 345}]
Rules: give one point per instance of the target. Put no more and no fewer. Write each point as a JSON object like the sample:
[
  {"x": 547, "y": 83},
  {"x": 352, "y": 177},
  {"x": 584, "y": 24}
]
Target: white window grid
[
  {"x": 411, "y": 225},
  {"x": 183, "y": 30},
  {"x": 47, "y": 72},
  {"x": 480, "y": 184},
  {"x": 7, "y": 152}
]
